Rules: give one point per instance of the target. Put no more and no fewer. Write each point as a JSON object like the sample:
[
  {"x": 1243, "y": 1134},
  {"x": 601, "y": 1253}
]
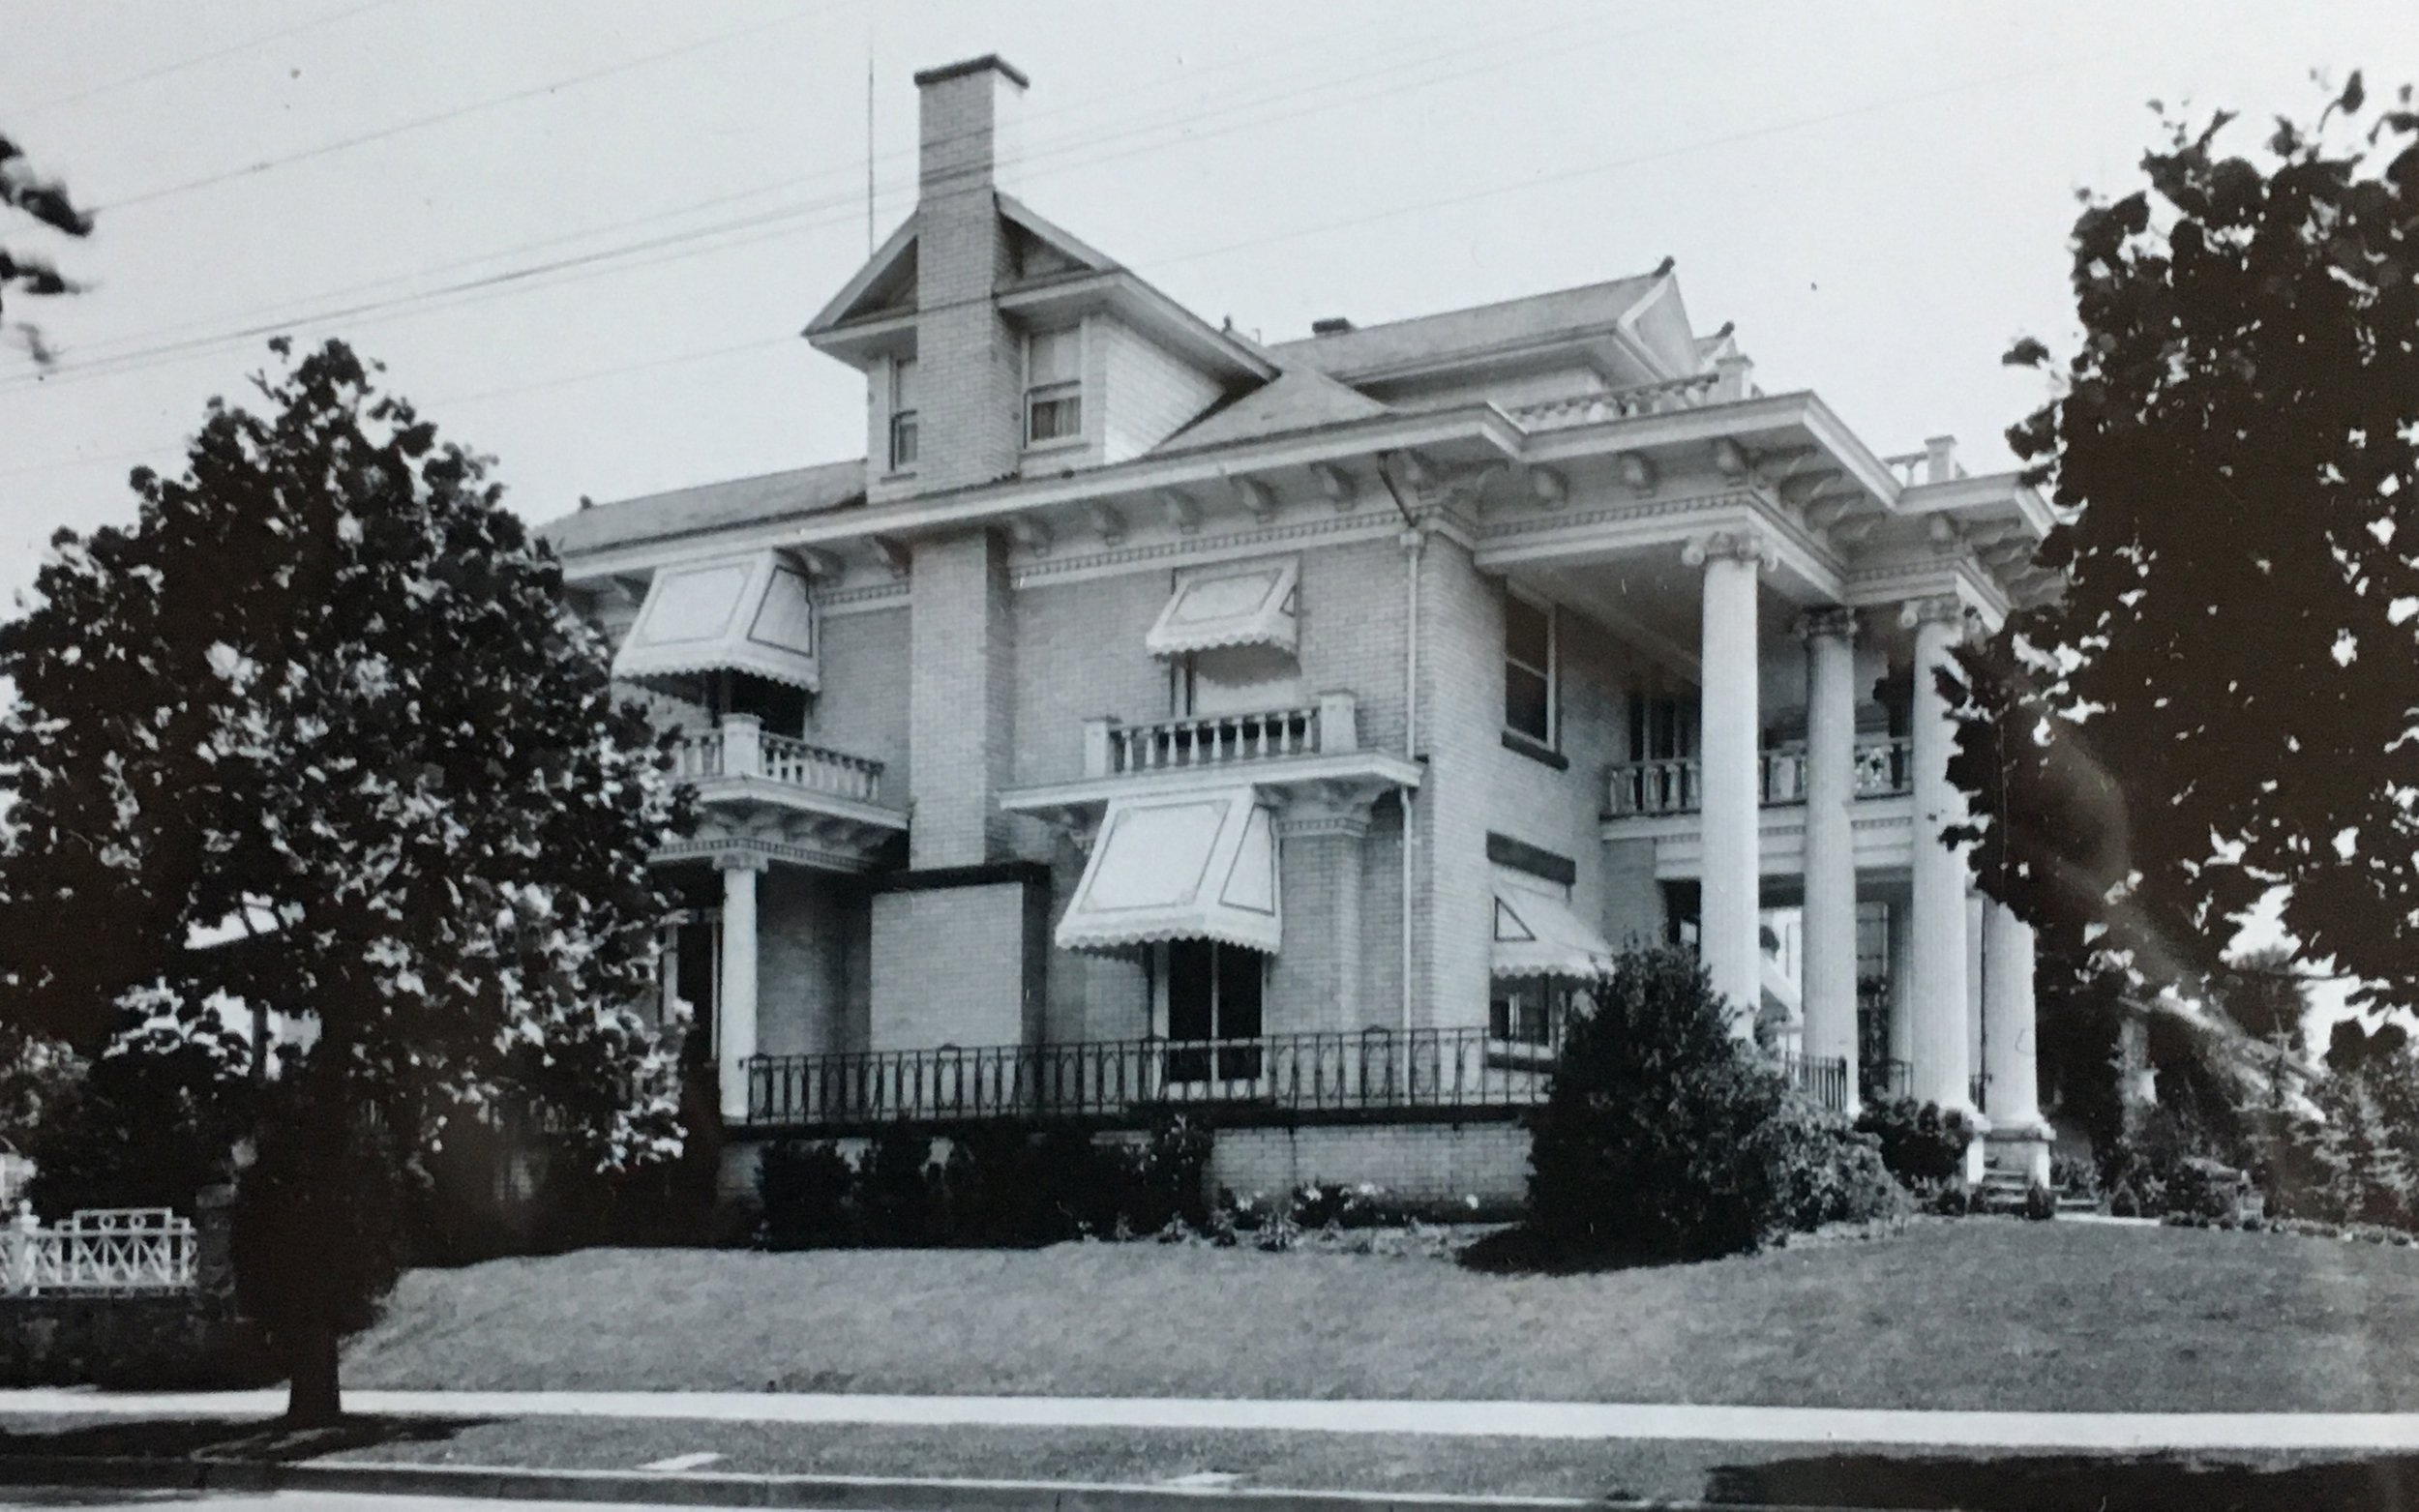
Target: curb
[{"x": 858, "y": 1493}]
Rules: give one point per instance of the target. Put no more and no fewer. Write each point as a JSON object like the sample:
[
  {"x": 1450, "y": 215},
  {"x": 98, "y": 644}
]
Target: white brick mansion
[{"x": 1153, "y": 716}]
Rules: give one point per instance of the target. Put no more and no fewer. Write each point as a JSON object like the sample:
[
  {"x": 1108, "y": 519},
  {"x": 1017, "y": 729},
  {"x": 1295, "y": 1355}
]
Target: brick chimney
[{"x": 970, "y": 360}]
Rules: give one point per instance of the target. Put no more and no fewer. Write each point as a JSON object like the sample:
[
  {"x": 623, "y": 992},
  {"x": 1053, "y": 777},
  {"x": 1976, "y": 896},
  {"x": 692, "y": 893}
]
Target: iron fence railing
[
  {"x": 1445, "y": 1068},
  {"x": 1377, "y": 1069},
  {"x": 1886, "y": 1081},
  {"x": 1823, "y": 1078}
]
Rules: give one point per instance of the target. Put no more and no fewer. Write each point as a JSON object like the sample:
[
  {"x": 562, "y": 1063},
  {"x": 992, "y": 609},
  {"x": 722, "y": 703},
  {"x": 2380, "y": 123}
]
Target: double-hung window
[
  {"x": 1053, "y": 385},
  {"x": 1529, "y": 669},
  {"x": 902, "y": 416},
  {"x": 1214, "y": 998}
]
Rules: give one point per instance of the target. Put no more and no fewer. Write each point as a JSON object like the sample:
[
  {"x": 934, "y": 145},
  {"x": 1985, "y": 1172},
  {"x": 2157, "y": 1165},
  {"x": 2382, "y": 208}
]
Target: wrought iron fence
[
  {"x": 1886, "y": 1081},
  {"x": 119, "y": 1251},
  {"x": 1380, "y": 1069},
  {"x": 1823, "y": 1078}
]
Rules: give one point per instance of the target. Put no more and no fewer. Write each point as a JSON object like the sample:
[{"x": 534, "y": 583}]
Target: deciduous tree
[{"x": 2221, "y": 702}]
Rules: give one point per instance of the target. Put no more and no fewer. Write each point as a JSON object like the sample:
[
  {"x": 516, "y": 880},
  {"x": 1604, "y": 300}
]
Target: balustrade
[
  {"x": 1693, "y": 392},
  {"x": 105, "y": 1250},
  {"x": 1113, "y": 749},
  {"x": 1884, "y": 767},
  {"x": 742, "y": 751}
]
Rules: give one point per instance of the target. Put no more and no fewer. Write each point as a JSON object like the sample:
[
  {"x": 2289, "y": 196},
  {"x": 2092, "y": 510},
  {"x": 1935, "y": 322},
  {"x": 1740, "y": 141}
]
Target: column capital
[
  {"x": 1744, "y": 545},
  {"x": 1304, "y": 822},
  {"x": 1939, "y": 608},
  {"x": 1830, "y": 621},
  {"x": 738, "y": 860}
]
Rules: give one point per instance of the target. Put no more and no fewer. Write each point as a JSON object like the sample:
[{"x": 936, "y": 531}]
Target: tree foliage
[
  {"x": 2221, "y": 703},
  {"x": 46, "y": 202},
  {"x": 327, "y": 689}
]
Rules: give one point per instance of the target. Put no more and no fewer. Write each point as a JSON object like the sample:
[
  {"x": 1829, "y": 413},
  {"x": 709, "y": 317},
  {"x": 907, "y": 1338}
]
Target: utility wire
[
  {"x": 182, "y": 63},
  {"x": 807, "y": 215},
  {"x": 494, "y": 102},
  {"x": 1602, "y": 166},
  {"x": 117, "y": 347}
]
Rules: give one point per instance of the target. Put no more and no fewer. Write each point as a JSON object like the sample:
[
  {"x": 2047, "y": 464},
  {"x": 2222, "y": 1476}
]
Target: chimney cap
[
  {"x": 989, "y": 60},
  {"x": 1332, "y": 325}
]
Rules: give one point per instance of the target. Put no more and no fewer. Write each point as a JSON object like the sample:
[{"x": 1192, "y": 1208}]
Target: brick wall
[
  {"x": 1561, "y": 811},
  {"x": 1438, "y": 1163},
  {"x": 960, "y": 701},
  {"x": 864, "y": 706},
  {"x": 948, "y": 967},
  {"x": 970, "y": 360},
  {"x": 804, "y": 923},
  {"x": 1461, "y": 697}
]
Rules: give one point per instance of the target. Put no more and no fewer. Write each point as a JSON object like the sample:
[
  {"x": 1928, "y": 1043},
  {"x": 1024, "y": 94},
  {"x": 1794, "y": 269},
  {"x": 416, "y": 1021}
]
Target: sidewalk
[{"x": 1602, "y": 1422}]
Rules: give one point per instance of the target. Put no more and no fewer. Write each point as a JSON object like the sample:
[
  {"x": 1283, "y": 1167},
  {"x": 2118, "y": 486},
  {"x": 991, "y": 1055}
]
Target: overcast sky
[{"x": 1876, "y": 194}]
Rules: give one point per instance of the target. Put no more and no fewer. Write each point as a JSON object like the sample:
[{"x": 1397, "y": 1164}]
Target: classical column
[
  {"x": 1827, "y": 986},
  {"x": 1937, "y": 988},
  {"x": 2020, "y": 1139},
  {"x": 1729, "y": 766},
  {"x": 734, "y": 1013}
]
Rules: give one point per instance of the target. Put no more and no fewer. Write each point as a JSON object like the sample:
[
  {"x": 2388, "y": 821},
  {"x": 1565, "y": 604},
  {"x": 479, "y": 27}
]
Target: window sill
[
  {"x": 1063, "y": 443},
  {"x": 1513, "y": 740},
  {"x": 899, "y": 475}
]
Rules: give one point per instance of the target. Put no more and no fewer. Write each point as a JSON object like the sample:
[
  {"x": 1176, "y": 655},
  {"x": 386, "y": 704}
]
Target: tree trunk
[{"x": 313, "y": 1399}]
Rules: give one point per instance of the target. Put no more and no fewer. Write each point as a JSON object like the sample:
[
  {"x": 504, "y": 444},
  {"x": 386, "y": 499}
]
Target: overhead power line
[
  {"x": 420, "y": 123},
  {"x": 248, "y": 45},
  {"x": 1611, "y": 164},
  {"x": 800, "y": 217},
  {"x": 1325, "y": 82}
]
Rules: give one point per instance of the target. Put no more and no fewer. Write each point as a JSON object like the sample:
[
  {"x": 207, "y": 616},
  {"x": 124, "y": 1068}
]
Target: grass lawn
[{"x": 1976, "y": 1313}]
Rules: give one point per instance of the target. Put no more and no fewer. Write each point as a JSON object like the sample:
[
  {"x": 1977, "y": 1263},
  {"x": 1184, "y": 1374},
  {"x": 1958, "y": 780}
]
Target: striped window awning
[
  {"x": 1536, "y": 936},
  {"x": 746, "y": 614},
  {"x": 1241, "y": 604},
  {"x": 1178, "y": 866}
]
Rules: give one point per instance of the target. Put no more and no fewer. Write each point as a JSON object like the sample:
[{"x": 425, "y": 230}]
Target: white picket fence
[{"x": 107, "y": 1252}]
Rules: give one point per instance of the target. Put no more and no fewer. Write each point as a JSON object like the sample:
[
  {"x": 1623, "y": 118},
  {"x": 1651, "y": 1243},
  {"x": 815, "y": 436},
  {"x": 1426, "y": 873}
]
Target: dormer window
[
  {"x": 1053, "y": 386},
  {"x": 903, "y": 414}
]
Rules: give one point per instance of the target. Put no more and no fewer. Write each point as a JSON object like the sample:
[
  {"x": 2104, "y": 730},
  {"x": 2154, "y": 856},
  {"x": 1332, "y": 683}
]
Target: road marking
[{"x": 680, "y": 1462}]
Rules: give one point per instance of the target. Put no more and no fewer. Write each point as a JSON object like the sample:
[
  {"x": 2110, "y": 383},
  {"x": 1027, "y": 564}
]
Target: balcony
[
  {"x": 1286, "y": 1078},
  {"x": 1883, "y": 768},
  {"x": 727, "y": 754},
  {"x": 1312, "y": 750},
  {"x": 792, "y": 801}
]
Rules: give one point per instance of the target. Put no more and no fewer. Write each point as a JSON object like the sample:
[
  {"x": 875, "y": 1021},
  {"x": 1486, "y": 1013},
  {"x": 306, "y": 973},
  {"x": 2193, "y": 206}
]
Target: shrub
[
  {"x": 2040, "y": 1202},
  {"x": 1170, "y": 1177},
  {"x": 2073, "y": 1177},
  {"x": 1080, "y": 1186},
  {"x": 804, "y": 1189},
  {"x": 2201, "y": 1188},
  {"x": 1919, "y": 1142},
  {"x": 895, "y": 1196},
  {"x": 1663, "y": 1138}
]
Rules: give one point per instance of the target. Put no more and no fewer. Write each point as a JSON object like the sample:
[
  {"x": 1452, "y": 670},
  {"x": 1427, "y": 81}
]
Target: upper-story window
[
  {"x": 903, "y": 414},
  {"x": 1528, "y": 669},
  {"x": 1053, "y": 385}
]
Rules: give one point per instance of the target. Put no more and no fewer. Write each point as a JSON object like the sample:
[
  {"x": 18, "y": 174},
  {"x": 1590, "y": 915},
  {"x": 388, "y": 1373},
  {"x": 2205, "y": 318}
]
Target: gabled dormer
[{"x": 997, "y": 345}]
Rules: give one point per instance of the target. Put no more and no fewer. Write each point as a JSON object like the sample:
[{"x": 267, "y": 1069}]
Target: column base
[
  {"x": 1974, "y": 1147},
  {"x": 2023, "y": 1148}
]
